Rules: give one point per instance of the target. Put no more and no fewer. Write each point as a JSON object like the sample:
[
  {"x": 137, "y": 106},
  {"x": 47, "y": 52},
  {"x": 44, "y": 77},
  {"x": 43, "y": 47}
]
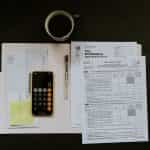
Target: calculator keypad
[{"x": 42, "y": 100}]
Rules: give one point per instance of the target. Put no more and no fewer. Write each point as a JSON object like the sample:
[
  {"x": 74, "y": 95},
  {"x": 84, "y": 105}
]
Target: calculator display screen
[{"x": 42, "y": 80}]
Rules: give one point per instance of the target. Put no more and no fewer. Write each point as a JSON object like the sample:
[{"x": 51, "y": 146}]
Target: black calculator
[{"x": 42, "y": 93}]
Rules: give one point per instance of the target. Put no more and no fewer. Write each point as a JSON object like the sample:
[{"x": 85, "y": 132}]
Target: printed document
[
  {"x": 93, "y": 49},
  {"x": 19, "y": 63},
  {"x": 114, "y": 107}
]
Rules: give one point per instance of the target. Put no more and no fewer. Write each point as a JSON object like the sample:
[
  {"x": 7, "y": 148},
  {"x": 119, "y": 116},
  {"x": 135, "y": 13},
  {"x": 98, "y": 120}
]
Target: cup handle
[{"x": 77, "y": 21}]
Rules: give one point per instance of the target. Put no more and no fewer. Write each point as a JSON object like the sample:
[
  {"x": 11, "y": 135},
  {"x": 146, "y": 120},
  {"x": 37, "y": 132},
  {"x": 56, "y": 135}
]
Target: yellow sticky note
[{"x": 20, "y": 113}]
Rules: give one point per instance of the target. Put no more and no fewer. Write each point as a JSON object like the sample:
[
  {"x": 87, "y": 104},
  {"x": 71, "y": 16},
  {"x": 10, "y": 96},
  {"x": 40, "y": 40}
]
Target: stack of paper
[
  {"x": 108, "y": 91},
  {"x": 18, "y": 61}
]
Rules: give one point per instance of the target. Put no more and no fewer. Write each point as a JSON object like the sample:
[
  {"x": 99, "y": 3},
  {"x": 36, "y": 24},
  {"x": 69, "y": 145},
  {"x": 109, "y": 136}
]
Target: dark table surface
[{"x": 101, "y": 20}]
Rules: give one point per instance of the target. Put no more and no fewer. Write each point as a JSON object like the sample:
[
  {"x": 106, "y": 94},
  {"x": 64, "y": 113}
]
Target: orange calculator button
[
  {"x": 49, "y": 94},
  {"x": 49, "y": 103},
  {"x": 49, "y": 99},
  {"x": 49, "y": 109},
  {"x": 49, "y": 90}
]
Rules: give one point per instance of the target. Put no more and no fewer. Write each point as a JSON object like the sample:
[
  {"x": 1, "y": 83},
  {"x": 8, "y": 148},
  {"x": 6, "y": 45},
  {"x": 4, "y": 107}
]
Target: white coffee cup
[{"x": 57, "y": 13}]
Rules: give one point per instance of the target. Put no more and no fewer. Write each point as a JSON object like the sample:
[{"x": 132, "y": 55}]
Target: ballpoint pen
[{"x": 66, "y": 77}]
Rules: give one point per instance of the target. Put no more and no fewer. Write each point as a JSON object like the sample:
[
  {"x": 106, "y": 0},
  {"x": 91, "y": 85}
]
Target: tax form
[
  {"x": 93, "y": 49},
  {"x": 114, "y": 107},
  {"x": 18, "y": 61},
  {"x": 18, "y": 64}
]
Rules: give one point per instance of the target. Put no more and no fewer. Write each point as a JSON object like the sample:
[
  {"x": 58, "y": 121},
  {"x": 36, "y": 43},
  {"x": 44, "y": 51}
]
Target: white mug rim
[{"x": 53, "y": 14}]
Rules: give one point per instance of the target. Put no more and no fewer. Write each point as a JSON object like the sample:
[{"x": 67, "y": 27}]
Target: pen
[{"x": 66, "y": 77}]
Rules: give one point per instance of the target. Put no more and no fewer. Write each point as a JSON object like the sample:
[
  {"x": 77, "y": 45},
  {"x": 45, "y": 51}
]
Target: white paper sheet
[
  {"x": 1, "y": 102},
  {"x": 114, "y": 100},
  {"x": 97, "y": 49},
  {"x": 19, "y": 63},
  {"x": 60, "y": 121}
]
